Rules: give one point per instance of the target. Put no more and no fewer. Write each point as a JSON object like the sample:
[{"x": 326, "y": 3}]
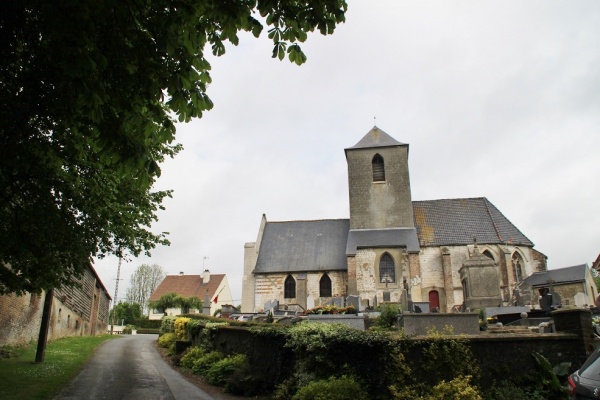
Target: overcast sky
[{"x": 495, "y": 99}]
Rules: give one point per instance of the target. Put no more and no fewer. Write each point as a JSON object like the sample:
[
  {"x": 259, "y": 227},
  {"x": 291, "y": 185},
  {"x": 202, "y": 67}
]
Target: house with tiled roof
[
  {"x": 391, "y": 249},
  {"x": 212, "y": 289}
]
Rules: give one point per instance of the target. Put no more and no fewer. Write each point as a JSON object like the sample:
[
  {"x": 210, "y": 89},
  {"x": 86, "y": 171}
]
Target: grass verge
[{"x": 22, "y": 378}]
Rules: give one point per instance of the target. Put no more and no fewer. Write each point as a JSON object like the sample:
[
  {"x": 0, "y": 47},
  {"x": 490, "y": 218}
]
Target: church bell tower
[
  {"x": 382, "y": 233},
  {"x": 379, "y": 183}
]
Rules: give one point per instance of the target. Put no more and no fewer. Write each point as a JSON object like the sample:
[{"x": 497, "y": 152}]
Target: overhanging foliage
[{"x": 91, "y": 91}]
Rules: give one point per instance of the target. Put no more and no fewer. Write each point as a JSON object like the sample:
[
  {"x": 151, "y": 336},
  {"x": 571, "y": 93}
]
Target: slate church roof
[
  {"x": 572, "y": 274},
  {"x": 389, "y": 237},
  {"x": 294, "y": 246},
  {"x": 376, "y": 138},
  {"x": 321, "y": 245},
  {"x": 456, "y": 221}
]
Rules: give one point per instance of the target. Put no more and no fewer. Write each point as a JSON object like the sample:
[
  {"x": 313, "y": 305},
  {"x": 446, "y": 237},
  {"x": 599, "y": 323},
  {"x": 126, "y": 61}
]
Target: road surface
[{"x": 130, "y": 368}]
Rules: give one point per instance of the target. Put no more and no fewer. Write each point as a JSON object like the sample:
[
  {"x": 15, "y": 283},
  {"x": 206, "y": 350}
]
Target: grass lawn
[{"x": 22, "y": 378}]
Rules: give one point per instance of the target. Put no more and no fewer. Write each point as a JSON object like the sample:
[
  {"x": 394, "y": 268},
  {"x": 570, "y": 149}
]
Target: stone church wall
[
  {"x": 431, "y": 268},
  {"x": 433, "y": 274},
  {"x": 369, "y": 283},
  {"x": 271, "y": 287}
]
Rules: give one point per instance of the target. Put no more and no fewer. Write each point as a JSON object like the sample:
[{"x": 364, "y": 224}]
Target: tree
[
  {"x": 188, "y": 303},
  {"x": 173, "y": 300},
  {"x": 125, "y": 313},
  {"x": 91, "y": 91},
  {"x": 167, "y": 300},
  {"x": 143, "y": 282}
]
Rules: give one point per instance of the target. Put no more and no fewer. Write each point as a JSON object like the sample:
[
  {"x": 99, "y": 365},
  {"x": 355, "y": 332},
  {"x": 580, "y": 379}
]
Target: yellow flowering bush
[{"x": 181, "y": 328}]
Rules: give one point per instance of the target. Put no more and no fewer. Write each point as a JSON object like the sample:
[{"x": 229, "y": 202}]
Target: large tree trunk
[{"x": 44, "y": 326}]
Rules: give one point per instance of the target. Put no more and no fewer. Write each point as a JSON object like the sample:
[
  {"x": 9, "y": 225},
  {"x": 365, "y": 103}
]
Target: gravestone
[
  {"x": 404, "y": 300},
  {"x": 310, "y": 302},
  {"x": 386, "y": 296},
  {"x": 354, "y": 301},
  {"x": 480, "y": 280},
  {"x": 423, "y": 306},
  {"x": 581, "y": 300},
  {"x": 338, "y": 301},
  {"x": 271, "y": 305},
  {"x": 546, "y": 302}
]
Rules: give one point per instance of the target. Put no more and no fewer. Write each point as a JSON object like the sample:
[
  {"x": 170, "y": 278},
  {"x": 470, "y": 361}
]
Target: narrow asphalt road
[{"x": 130, "y": 368}]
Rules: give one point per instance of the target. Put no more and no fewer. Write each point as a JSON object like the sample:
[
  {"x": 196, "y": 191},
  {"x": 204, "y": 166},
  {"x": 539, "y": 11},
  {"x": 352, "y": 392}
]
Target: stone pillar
[
  {"x": 448, "y": 285},
  {"x": 248, "y": 281},
  {"x": 352, "y": 288},
  {"x": 301, "y": 289},
  {"x": 414, "y": 274},
  {"x": 511, "y": 274}
]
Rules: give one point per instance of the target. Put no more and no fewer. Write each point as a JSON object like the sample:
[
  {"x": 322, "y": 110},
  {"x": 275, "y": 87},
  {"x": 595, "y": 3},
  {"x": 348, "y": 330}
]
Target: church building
[{"x": 446, "y": 253}]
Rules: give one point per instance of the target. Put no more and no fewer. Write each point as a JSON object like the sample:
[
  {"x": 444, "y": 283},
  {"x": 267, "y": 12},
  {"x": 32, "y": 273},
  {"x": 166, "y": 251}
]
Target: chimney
[{"x": 206, "y": 276}]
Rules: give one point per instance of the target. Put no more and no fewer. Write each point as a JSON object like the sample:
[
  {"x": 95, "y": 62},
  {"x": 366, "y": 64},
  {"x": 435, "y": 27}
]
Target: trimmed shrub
[
  {"x": 458, "y": 388},
  {"x": 167, "y": 341},
  {"x": 190, "y": 356},
  {"x": 343, "y": 388},
  {"x": 205, "y": 361},
  {"x": 388, "y": 316},
  {"x": 148, "y": 331},
  {"x": 219, "y": 372},
  {"x": 507, "y": 390},
  {"x": 445, "y": 357},
  {"x": 180, "y": 326},
  {"x": 145, "y": 323},
  {"x": 168, "y": 325},
  {"x": 245, "y": 382},
  {"x": 320, "y": 350}
]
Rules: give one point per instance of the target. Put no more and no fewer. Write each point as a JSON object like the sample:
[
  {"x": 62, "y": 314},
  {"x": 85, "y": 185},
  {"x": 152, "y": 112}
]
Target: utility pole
[{"x": 112, "y": 324}]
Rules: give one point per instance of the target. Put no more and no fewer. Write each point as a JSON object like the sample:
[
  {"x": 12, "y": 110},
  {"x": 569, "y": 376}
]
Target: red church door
[{"x": 434, "y": 300}]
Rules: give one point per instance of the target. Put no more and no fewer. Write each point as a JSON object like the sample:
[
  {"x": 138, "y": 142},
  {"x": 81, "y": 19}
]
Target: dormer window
[{"x": 378, "y": 169}]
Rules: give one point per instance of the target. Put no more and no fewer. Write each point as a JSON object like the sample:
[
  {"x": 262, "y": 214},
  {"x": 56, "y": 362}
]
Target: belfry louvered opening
[{"x": 378, "y": 169}]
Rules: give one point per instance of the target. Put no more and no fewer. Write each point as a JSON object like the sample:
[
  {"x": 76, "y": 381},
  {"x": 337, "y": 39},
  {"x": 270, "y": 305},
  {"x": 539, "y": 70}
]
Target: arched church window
[
  {"x": 387, "y": 270},
  {"x": 378, "y": 169},
  {"x": 517, "y": 268},
  {"x": 289, "y": 288},
  {"x": 325, "y": 286}
]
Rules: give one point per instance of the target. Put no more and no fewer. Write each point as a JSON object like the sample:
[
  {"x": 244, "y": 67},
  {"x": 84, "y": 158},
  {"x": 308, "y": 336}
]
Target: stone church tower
[{"x": 382, "y": 228}]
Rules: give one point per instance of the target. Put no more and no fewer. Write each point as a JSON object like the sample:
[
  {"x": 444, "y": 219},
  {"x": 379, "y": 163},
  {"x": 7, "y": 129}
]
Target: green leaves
[
  {"x": 89, "y": 115},
  {"x": 296, "y": 55}
]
